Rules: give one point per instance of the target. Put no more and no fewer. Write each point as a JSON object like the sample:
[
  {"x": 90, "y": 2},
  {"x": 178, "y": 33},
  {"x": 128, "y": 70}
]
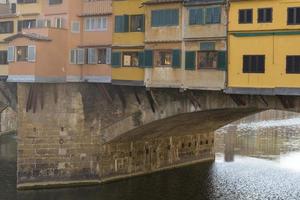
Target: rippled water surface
[{"x": 256, "y": 158}]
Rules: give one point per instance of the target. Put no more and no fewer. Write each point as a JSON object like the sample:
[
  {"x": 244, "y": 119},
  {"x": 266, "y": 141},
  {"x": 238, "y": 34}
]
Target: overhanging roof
[{"x": 31, "y": 36}]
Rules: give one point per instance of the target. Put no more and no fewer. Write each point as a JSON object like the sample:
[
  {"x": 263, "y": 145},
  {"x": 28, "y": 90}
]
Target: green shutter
[
  {"x": 141, "y": 56},
  {"x": 116, "y": 59},
  {"x": 176, "y": 58},
  {"x": 222, "y": 60},
  {"x": 209, "y": 12},
  {"x": 196, "y": 16},
  {"x": 190, "y": 60},
  {"x": 126, "y": 23},
  {"x": 217, "y": 15},
  {"x": 143, "y": 23},
  {"x": 119, "y": 24},
  {"x": 148, "y": 58}
]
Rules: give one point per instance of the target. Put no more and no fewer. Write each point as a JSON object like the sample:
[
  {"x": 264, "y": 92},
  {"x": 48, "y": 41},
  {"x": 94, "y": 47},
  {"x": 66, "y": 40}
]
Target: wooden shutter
[
  {"x": 126, "y": 23},
  {"x": 190, "y": 60},
  {"x": 92, "y": 56},
  {"x": 141, "y": 56},
  {"x": 119, "y": 24},
  {"x": 222, "y": 60},
  {"x": 11, "y": 54},
  {"x": 216, "y": 15},
  {"x": 176, "y": 58},
  {"x": 196, "y": 16},
  {"x": 209, "y": 16},
  {"x": 143, "y": 23},
  {"x": 116, "y": 59},
  {"x": 148, "y": 58},
  {"x": 108, "y": 56},
  {"x": 31, "y": 53},
  {"x": 80, "y": 56}
]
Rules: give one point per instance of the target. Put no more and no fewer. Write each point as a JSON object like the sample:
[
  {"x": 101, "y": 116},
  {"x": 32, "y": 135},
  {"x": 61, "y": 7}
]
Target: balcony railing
[{"x": 97, "y": 7}]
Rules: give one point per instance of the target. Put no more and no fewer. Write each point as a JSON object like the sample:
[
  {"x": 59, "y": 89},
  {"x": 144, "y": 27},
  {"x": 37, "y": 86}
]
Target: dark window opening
[
  {"x": 254, "y": 64},
  {"x": 293, "y": 64},
  {"x": 245, "y": 16},
  {"x": 265, "y": 15},
  {"x": 3, "y": 58},
  {"x": 293, "y": 16}
]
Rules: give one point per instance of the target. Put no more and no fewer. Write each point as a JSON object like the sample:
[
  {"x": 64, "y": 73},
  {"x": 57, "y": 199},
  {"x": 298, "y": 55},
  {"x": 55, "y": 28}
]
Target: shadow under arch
[{"x": 188, "y": 123}]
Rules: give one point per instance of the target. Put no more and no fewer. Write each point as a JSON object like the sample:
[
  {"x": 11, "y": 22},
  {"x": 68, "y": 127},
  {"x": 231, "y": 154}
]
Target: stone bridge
[{"x": 80, "y": 133}]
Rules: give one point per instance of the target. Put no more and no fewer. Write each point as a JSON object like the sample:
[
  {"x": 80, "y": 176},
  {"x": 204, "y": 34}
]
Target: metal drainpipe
[
  {"x": 182, "y": 45},
  {"x": 227, "y": 8}
]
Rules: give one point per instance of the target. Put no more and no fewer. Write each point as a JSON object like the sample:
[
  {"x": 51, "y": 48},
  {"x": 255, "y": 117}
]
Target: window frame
[
  {"x": 131, "y": 60},
  {"x": 264, "y": 20},
  {"x": 245, "y": 21},
  {"x": 249, "y": 69},
  {"x": 294, "y": 71},
  {"x": 198, "y": 67}
]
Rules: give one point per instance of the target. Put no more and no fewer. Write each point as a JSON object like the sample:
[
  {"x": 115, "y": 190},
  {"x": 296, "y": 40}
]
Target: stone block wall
[{"x": 125, "y": 159}]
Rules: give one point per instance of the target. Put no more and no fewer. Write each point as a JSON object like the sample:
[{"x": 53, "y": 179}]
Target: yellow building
[
  {"x": 13, "y": 18},
  {"x": 128, "y": 42},
  {"x": 263, "y": 43}
]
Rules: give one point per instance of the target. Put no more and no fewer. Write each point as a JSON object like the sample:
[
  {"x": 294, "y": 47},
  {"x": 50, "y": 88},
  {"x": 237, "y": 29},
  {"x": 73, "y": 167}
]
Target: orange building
[{"x": 70, "y": 43}]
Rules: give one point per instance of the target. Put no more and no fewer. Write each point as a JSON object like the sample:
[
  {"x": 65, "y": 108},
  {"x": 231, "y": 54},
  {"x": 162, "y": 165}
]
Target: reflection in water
[{"x": 258, "y": 160}]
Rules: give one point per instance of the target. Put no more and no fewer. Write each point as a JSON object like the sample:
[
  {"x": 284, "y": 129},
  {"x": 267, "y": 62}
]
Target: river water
[{"x": 256, "y": 158}]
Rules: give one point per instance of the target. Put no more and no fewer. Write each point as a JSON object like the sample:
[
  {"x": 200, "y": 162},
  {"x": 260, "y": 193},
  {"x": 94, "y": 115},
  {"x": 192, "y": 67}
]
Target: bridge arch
[{"x": 65, "y": 138}]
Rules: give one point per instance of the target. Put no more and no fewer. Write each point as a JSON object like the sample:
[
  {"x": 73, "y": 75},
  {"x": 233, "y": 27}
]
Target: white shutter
[
  {"x": 92, "y": 57},
  {"x": 80, "y": 56},
  {"x": 108, "y": 56},
  {"x": 73, "y": 55},
  {"x": 11, "y": 54},
  {"x": 75, "y": 27},
  {"x": 31, "y": 53}
]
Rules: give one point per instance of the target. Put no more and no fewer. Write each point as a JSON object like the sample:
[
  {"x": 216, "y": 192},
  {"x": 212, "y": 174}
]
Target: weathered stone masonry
[{"x": 64, "y": 129}]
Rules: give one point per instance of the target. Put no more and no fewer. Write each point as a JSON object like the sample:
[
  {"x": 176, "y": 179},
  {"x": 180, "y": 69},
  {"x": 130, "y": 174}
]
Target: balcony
[{"x": 97, "y": 7}]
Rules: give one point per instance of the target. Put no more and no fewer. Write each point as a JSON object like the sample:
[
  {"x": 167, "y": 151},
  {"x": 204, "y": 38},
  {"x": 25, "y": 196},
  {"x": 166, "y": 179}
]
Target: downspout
[
  {"x": 227, "y": 8},
  {"x": 182, "y": 87}
]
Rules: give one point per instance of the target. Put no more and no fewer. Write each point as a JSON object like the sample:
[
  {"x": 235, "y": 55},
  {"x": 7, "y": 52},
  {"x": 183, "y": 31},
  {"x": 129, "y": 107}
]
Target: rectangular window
[
  {"x": 264, "y": 15},
  {"x": 22, "y": 53},
  {"x": 3, "y": 58},
  {"x": 130, "y": 59},
  {"x": 95, "y": 23},
  {"x": 293, "y": 64},
  {"x": 196, "y": 16},
  {"x": 30, "y": 23},
  {"x": 137, "y": 23},
  {"x": 6, "y": 27},
  {"x": 254, "y": 64},
  {"x": 293, "y": 16},
  {"x": 167, "y": 17},
  {"x": 207, "y": 59},
  {"x": 54, "y": 2},
  {"x": 77, "y": 56},
  {"x": 43, "y": 23},
  {"x": 245, "y": 16},
  {"x": 59, "y": 22},
  {"x": 75, "y": 27},
  {"x": 163, "y": 58},
  {"x": 213, "y": 15},
  {"x": 102, "y": 56}
]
